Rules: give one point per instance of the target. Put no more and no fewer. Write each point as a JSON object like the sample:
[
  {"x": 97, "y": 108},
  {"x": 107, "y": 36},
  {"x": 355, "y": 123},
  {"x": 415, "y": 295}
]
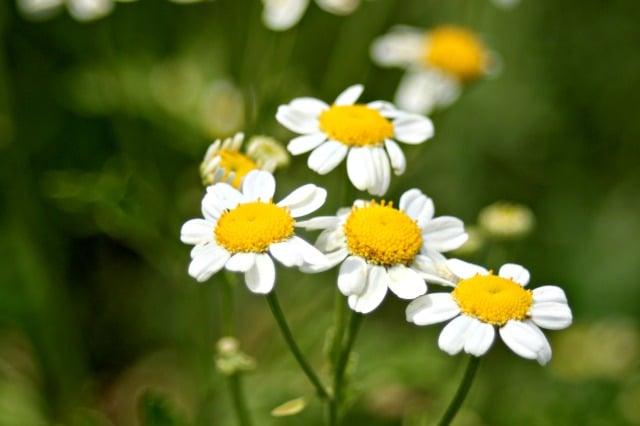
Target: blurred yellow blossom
[{"x": 506, "y": 220}]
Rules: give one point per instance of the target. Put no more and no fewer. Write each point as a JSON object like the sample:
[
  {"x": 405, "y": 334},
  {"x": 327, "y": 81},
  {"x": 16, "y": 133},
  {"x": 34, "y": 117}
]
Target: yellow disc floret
[
  {"x": 355, "y": 125},
  {"x": 382, "y": 235},
  {"x": 493, "y": 299},
  {"x": 238, "y": 163},
  {"x": 457, "y": 51},
  {"x": 252, "y": 227}
]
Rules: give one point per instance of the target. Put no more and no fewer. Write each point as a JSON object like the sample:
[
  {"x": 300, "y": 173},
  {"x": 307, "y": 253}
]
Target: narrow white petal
[
  {"x": 320, "y": 222},
  {"x": 464, "y": 269},
  {"x": 421, "y": 91},
  {"x": 412, "y": 128},
  {"x": 549, "y": 293},
  {"x": 433, "y": 269},
  {"x": 226, "y": 194},
  {"x": 431, "y": 309},
  {"x": 373, "y": 293},
  {"x": 350, "y": 95},
  {"x": 444, "y": 233},
  {"x": 386, "y": 109},
  {"x": 338, "y": 7},
  {"x": 523, "y": 339},
  {"x": 311, "y": 256},
  {"x": 358, "y": 166},
  {"x": 304, "y": 200},
  {"x": 515, "y": 272},
  {"x": 258, "y": 185},
  {"x": 305, "y": 143},
  {"x": 327, "y": 156},
  {"x": 551, "y": 315},
  {"x": 352, "y": 276},
  {"x": 280, "y": 15},
  {"x": 405, "y": 282},
  {"x": 454, "y": 334},
  {"x": 212, "y": 207},
  {"x": 240, "y": 262},
  {"x": 87, "y": 10},
  {"x": 417, "y": 206},
  {"x": 544, "y": 354},
  {"x": 285, "y": 252},
  {"x": 479, "y": 338},
  {"x": 312, "y": 106},
  {"x": 209, "y": 260},
  {"x": 333, "y": 259},
  {"x": 297, "y": 120},
  {"x": 261, "y": 278},
  {"x": 400, "y": 47},
  {"x": 398, "y": 160},
  {"x": 197, "y": 231},
  {"x": 381, "y": 172}
]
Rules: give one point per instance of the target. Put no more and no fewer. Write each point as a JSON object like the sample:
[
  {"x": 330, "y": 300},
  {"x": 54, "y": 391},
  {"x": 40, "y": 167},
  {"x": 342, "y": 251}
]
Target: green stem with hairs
[{"x": 462, "y": 391}]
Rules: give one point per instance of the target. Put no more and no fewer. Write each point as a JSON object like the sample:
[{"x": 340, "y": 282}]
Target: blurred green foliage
[{"x": 102, "y": 128}]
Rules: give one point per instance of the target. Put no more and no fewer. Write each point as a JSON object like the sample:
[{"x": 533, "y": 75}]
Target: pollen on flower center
[
  {"x": 457, "y": 51},
  {"x": 253, "y": 226},
  {"x": 355, "y": 125},
  {"x": 236, "y": 162},
  {"x": 493, "y": 299},
  {"x": 382, "y": 235}
]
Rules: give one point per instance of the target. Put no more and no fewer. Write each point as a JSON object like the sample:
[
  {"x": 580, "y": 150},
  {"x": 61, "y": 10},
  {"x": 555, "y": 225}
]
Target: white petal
[
  {"x": 240, "y": 262},
  {"x": 338, "y": 7},
  {"x": 515, "y": 272},
  {"x": 480, "y": 336},
  {"x": 444, "y": 233},
  {"x": 398, "y": 160},
  {"x": 359, "y": 168},
  {"x": 311, "y": 256},
  {"x": 523, "y": 339},
  {"x": 433, "y": 269},
  {"x": 454, "y": 335},
  {"x": 551, "y": 315},
  {"x": 386, "y": 109},
  {"x": 285, "y": 252},
  {"x": 350, "y": 95},
  {"x": 280, "y": 15},
  {"x": 197, "y": 231},
  {"x": 297, "y": 120},
  {"x": 352, "y": 276},
  {"x": 382, "y": 172},
  {"x": 464, "y": 269},
  {"x": 209, "y": 260},
  {"x": 305, "y": 143},
  {"x": 258, "y": 185},
  {"x": 400, "y": 47},
  {"x": 549, "y": 293},
  {"x": 417, "y": 206},
  {"x": 421, "y": 91},
  {"x": 304, "y": 200},
  {"x": 261, "y": 278},
  {"x": 212, "y": 206},
  {"x": 320, "y": 222},
  {"x": 431, "y": 309},
  {"x": 331, "y": 240},
  {"x": 327, "y": 156},
  {"x": 333, "y": 259},
  {"x": 405, "y": 282},
  {"x": 226, "y": 194},
  {"x": 87, "y": 10},
  {"x": 373, "y": 293},
  {"x": 544, "y": 354},
  {"x": 412, "y": 128},
  {"x": 310, "y": 105}
]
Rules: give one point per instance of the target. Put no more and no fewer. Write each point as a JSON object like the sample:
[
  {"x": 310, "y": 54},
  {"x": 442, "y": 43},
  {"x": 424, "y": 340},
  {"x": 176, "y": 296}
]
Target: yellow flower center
[
  {"x": 493, "y": 299},
  {"x": 382, "y": 235},
  {"x": 355, "y": 125},
  {"x": 238, "y": 163},
  {"x": 252, "y": 227},
  {"x": 457, "y": 51}
]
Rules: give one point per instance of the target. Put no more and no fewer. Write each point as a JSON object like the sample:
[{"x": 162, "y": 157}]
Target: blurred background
[{"x": 105, "y": 119}]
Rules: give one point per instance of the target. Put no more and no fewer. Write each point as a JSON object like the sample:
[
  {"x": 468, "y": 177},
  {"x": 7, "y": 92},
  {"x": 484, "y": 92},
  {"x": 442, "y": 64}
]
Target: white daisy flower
[
  {"x": 242, "y": 230},
  {"x": 382, "y": 247},
  {"x": 224, "y": 162},
  {"x": 81, "y": 10},
  {"x": 481, "y": 301},
  {"x": 438, "y": 63},
  {"x": 280, "y": 15},
  {"x": 363, "y": 133}
]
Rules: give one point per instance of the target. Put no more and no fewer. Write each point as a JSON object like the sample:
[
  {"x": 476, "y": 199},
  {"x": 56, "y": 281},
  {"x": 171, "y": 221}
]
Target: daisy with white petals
[
  {"x": 365, "y": 134},
  {"x": 383, "y": 248},
  {"x": 280, "y": 15},
  {"x": 242, "y": 231},
  {"x": 482, "y": 301}
]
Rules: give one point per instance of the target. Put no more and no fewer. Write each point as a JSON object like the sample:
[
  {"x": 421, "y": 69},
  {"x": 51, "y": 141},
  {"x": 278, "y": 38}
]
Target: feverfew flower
[
  {"x": 224, "y": 162},
  {"x": 506, "y": 220},
  {"x": 481, "y": 301},
  {"x": 363, "y": 133},
  {"x": 280, "y": 15},
  {"x": 382, "y": 247},
  {"x": 438, "y": 63},
  {"x": 242, "y": 231}
]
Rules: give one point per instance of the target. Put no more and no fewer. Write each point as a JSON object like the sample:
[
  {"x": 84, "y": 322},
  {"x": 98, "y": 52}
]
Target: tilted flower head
[
  {"x": 438, "y": 62},
  {"x": 363, "y": 133},
  {"x": 224, "y": 162},
  {"x": 382, "y": 247},
  {"x": 242, "y": 230},
  {"x": 280, "y": 15},
  {"x": 482, "y": 301}
]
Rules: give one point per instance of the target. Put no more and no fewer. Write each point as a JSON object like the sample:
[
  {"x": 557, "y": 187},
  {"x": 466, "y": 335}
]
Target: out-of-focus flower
[
  {"x": 223, "y": 162},
  {"x": 506, "y": 220},
  {"x": 240, "y": 227},
  {"x": 363, "y": 133},
  {"x": 280, "y": 15},
  {"x": 506, "y": 4},
  {"x": 230, "y": 359},
  {"x": 438, "y": 63},
  {"x": 222, "y": 109},
  {"x": 481, "y": 301},
  {"x": 266, "y": 149},
  {"x": 81, "y": 10},
  {"x": 383, "y": 248}
]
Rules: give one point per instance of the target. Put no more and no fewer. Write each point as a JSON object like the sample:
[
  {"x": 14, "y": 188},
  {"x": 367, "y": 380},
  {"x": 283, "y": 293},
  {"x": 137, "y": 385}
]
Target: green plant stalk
[
  {"x": 237, "y": 396},
  {"x": 272, "y": 300},
  {"x": 462, "y": 391}
]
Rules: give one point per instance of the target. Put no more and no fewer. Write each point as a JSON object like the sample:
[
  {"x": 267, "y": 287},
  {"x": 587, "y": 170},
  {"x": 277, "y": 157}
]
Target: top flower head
[
  {"x": 280, "y": 15},
  {"x": 364, "y": 133},
  {"x": 439, "y": 61}
]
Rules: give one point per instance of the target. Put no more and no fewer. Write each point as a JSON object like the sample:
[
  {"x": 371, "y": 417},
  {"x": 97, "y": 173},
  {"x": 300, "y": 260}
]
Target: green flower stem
[
  {"x": 338, "y": 330},
  {"x": 461, "y": 394},
  {"x": 355, "y": 320},
  {"x": 293, "y": 346},
  {"x": 237, "y": 396}
]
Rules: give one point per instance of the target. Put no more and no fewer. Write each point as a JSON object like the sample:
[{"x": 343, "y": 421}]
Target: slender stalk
[
  {"x": 355, "y": 320},
  {"x": 338, "y": 330},
  {"x": 237, "y": 396},
  {"x": 462, "y": 391},
  {"x": 293, "y": 346}
]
